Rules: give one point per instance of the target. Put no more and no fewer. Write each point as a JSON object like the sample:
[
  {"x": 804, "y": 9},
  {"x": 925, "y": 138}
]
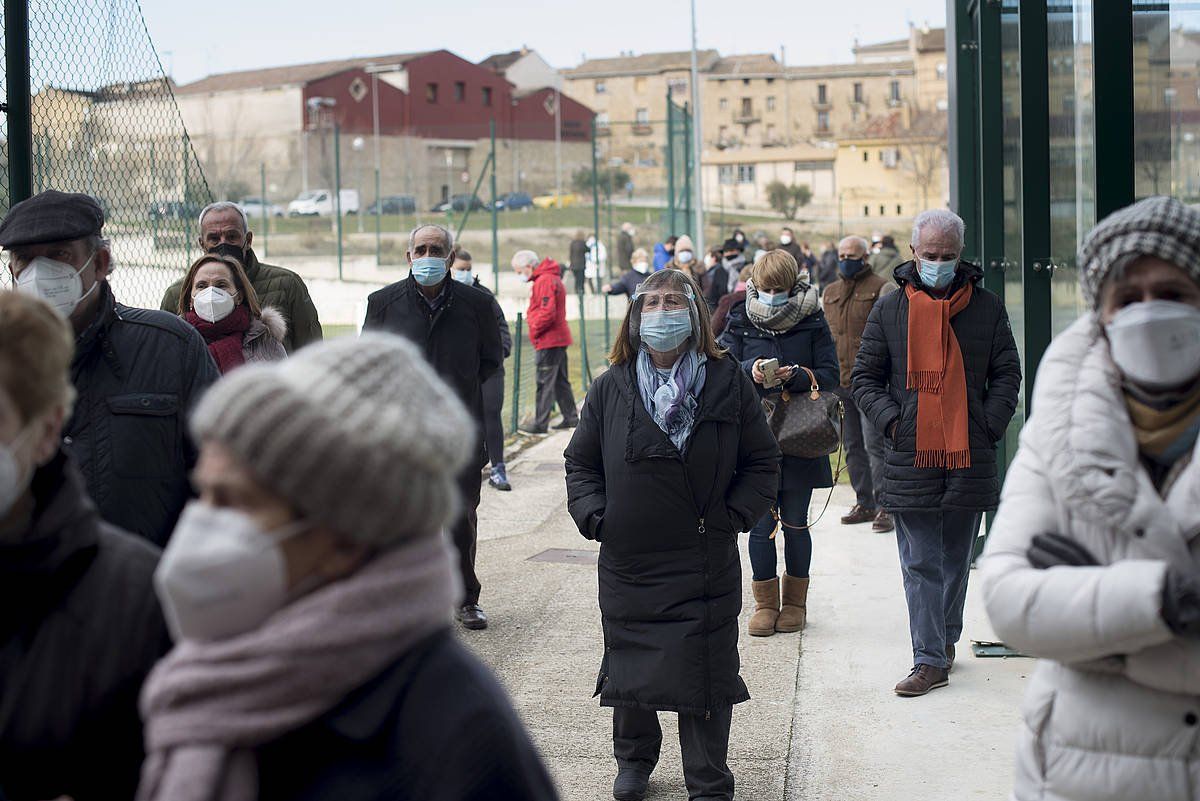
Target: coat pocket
[{"x": 144, "y": 435}]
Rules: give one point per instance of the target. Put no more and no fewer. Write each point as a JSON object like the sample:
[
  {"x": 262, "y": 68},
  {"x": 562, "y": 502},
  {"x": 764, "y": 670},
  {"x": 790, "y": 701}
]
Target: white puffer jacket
[{"x": 1113, "y": 708}]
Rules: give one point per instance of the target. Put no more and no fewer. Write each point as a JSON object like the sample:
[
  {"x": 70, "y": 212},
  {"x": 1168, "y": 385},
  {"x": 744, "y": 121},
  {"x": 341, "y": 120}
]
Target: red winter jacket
[{"x": 547, "y": 313}]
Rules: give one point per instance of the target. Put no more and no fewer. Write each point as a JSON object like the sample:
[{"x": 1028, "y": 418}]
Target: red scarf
[
  {"x": 936, "y": 372},
  {"x": 224, "y": 337}
]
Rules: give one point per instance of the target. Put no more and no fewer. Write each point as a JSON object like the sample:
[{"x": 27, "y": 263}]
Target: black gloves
[
  {"x": 1053, "y": 550},
  {"x": 1181, "y": 603}
]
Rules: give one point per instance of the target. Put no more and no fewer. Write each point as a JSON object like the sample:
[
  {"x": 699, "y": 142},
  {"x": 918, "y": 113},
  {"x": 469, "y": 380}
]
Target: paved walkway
[{"x": 822, "y": 723}]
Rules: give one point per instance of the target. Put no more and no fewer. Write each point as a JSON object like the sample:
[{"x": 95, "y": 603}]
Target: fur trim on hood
[{"x": 272, "y": 322}]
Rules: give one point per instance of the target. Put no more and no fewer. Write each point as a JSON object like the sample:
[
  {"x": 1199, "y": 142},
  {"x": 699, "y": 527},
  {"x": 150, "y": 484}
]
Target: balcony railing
[{"x": 642, "y": 129}]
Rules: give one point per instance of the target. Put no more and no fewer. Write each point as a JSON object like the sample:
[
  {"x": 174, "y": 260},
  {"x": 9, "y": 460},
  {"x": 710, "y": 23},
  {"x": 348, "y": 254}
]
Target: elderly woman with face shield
[
  {"x": 1093, "y": 563},
  {"x": 672, "y": 458}
]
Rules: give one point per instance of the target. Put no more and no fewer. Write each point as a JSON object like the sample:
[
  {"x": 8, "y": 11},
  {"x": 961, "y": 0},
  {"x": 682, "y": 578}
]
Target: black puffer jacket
[
  {"x": 670, "y": 576},
  {"x": 993, "y": 382},
  {"x": 501, "y": 323},
  {"x": 809, "y": 344},
  {"x": 138, "y": 374},
  {"x": 80, "y": 628}
]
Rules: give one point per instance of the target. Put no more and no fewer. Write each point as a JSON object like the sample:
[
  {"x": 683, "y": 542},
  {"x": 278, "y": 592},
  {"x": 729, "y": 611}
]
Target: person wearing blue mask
[
  {"x": 938, "y": 374},
  {"x": 782, "y": 319},
  {"x": 672, "y": 458},
  {"x": 454, "y": 324},
  {"x": 848, "y": 301}
]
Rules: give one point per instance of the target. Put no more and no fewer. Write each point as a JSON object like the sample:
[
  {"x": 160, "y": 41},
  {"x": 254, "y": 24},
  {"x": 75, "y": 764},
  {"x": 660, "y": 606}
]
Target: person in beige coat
[{"x": 1093, "y": 564}]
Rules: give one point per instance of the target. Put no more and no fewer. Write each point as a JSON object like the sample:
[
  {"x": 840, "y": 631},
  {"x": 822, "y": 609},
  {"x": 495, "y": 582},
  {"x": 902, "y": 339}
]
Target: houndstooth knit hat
[
  {"x": 1156, "y": 226},
  {"x": 358, "y": 434}
]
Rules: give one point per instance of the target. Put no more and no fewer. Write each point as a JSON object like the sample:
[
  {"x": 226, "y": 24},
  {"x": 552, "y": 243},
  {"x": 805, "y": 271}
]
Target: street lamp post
[{"x": 358, "y": 145}]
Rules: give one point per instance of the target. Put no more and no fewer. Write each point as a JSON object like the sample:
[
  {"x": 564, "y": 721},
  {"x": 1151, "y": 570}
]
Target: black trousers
[
  {"x": 493, "y": 425},
  {"x": 637, "y": 739},
  {"x": 553, "y": 385},
  {"x": 858, "y": 460},
  {"x": 465, "y": 532}
]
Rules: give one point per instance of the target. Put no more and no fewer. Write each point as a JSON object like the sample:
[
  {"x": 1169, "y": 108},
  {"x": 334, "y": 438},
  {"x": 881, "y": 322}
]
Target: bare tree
[
  {"x": 231, "y": 149},
  {"x": 923, "y": 151}
]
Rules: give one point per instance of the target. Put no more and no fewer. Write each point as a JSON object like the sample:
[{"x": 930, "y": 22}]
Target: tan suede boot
[
  {"x": 766, "y": 607},
  {"x": 794, "y": 612}
]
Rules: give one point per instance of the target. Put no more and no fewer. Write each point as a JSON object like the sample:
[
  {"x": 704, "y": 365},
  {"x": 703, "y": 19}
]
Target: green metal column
[
  {"x": 687, "y": 173},
  {"x": 518, "y": 342},
  {"x": 1112, "y": 54},
  {"x": 378, "y": 221},
  {"x": 495, "y": 222},
  {"x": 670, "y": 156},
  {"x": 595, "y": 219},
  {"x": 337, "y": 189},
  {"x": 262, "y": 186},
  {"x": 20, "y": 119},
  {"x": 991, "y": 148},
  {"x": 962, "y": 51},
  {"x": 1035, "y": 187}
]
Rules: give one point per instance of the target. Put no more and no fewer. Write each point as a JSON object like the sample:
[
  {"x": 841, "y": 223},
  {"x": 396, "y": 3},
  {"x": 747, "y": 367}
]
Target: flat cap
[{"x": 51, "y": 216}]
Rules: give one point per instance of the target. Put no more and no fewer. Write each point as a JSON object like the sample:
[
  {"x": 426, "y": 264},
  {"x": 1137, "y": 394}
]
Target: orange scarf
[{"x": 936, "y": 372}]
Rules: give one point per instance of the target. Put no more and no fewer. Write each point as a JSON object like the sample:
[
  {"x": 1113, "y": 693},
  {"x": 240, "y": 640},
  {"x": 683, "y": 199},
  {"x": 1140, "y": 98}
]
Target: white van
[{"x": 319, "y": 202}]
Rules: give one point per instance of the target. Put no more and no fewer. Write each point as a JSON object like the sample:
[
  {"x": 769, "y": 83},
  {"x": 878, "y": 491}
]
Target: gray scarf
[{"x": 802, "y": 301}]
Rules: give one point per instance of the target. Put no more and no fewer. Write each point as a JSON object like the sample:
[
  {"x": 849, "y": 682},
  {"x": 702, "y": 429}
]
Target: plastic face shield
[{"x": 663, "y": 296}]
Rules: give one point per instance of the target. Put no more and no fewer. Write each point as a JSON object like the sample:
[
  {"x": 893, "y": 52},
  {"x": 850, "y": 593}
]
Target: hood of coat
[
  {"x": 720, "y": 401},
  {"x": 548, "y": 267},
  {"x": 1081, "y": 427},
  {"x": 271, "y": 323}
]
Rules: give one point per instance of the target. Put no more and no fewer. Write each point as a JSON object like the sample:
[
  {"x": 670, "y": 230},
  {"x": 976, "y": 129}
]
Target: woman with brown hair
[
  {"x": 671, "y": 459},
  {"x": 219, "y": 301}
]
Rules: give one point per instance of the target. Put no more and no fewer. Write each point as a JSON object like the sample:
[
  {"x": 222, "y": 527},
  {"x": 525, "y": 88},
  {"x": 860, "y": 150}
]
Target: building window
[
  {"x": 747, "y": 107},
  {"x": 722, "y": 133},
  {"x": 882, "y": 210},
  {"x": 602, "y": 119},
  {"x": 858, "y": 92},
  {"x": 642, "y": 116},
  {"x": 677, "y": 86},
  {"x": 487, "y": 95},
  {"x": 899, "y": 211},
  {"x": 745, "y": 81},
  {"x": 771, "y": 103},
  {"x": 890, "y": 158},
  {"x": 941, "y": 70},
  {"x": 745, "y": 173},
  {"x": 431, "y": 92},
  {"x": 725, "y": 174},
  {"x": 823, "y": 121},
  {"x": 866, "y": 157},
  {"x": 639, "y": 85},
  {"x": 866, "y": 211},
  {"x": 601, "y": 88},
  {"x": 894, "y": 91},
  {"x": 723, "y": 104},
  {"x": 822, "y": 94}
]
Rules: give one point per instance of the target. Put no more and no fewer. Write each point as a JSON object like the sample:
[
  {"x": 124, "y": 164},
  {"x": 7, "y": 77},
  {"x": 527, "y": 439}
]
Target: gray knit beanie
[
  {"x": 358, "y": 434},
  {"x": 1156, "y": 226}
]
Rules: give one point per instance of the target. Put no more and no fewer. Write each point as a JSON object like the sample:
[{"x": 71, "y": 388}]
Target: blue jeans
[
  {"x": 935, "y": 558},
  {"x": 797, "y": 541}
]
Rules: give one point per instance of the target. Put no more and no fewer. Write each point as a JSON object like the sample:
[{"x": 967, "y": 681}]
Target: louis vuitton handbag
[{"x": 806, "y": 424}]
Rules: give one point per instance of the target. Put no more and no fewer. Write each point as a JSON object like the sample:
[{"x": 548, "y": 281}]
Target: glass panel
[
  {"x": 1072, "y": 152},
  {"x": 1166, "y": 75},
  {"x": 1014, "y": 292}
]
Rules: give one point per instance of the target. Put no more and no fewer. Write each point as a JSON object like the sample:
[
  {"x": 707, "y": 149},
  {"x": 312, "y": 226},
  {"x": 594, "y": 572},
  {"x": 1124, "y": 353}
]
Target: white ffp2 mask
[
  {"x": 213, "y": 304},
  {"x": 55, "y": 282},
  {"x": 1156, "y": 343}
]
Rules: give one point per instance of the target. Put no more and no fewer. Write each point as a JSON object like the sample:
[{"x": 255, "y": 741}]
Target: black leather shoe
[
  {"x": 564, "y": 425},
  {"x": 471, "y": 616},
  {"x": 631, "y": 784}
]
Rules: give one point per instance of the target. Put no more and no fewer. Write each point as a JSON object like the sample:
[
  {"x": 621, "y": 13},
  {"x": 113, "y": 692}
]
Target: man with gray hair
[
  {"x": 137, "y": 372},
  {"x": 550, "y": 336},
  {"x": 224, "y": 229},
  {"x": 848, "y": 301},
  {"x": 454, "y": 325},
  {"x": 938, "y": 375}
]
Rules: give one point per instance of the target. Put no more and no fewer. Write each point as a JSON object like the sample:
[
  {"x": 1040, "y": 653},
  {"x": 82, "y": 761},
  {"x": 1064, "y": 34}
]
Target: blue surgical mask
[
  {"x": 850, "y": 267},
  {"x": 664, "y": 331},
  {"x": 429, "y": 270},
  {"x": 463, "y": 276},
  {"x": 937, "y": 274},
  {"x": 773, "y": 298}
]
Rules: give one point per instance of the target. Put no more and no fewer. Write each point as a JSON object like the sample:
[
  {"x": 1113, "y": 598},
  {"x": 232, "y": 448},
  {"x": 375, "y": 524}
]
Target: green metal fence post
[
  {"x": 583, "y": 348},
  {"x": 337, "y": 190},
  {"x": 518, "y": 343},
  {"x": 670, "y": 156},
  {"x": 262, "y": 181},
  {"x": 595, "y": 208},
  {"x": 378, "y": 221},
  {"x": 607, "y": 337},
  {"x": 20, "y": 120},
  {"x": 495, "y": 221},
  {"x": 687, "y": 174}
]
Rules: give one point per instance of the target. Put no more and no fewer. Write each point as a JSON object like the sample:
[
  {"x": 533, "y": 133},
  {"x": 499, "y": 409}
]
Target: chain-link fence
[{"x": 104, "y": 121}]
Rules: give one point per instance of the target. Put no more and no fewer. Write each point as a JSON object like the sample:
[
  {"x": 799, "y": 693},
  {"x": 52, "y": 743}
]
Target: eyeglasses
[{"x": 667, "y": 301}]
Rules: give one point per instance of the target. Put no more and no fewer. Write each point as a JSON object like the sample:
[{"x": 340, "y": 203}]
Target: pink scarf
[{"x": 207, "y": 706}]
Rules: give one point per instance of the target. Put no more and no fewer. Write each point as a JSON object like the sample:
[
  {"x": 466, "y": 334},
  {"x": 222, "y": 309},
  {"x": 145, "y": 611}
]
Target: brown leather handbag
[{"x": 807, "y": 425}]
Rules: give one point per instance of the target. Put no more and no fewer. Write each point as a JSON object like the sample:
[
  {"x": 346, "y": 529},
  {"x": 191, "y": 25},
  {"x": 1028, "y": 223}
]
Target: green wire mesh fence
[{"x": 105, "y": 122}]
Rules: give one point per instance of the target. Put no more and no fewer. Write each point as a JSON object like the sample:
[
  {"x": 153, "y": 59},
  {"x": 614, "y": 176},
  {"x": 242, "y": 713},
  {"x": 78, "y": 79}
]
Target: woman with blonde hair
[
  {"x": 219, "y": 301},
  {"x": 782, "y": 319}
]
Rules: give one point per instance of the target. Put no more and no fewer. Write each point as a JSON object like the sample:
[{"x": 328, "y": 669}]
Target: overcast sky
[{"x": 198, "y": 39}]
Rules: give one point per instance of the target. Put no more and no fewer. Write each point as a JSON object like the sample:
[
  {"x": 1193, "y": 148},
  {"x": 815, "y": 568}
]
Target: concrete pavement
[{"x": 823, "y": 722}]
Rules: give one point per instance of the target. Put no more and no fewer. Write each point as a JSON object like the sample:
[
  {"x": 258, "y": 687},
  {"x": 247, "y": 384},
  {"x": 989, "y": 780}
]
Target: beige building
[{"x": 738, "y": 179}]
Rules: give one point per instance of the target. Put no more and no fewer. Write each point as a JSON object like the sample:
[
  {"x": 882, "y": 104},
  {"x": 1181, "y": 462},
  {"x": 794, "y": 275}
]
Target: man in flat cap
[{"x": 137, "y": 373}]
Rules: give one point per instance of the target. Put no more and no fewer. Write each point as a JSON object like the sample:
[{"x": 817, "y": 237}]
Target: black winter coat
[
  {"x": 628, "y": 283},
  {"x": 138, "y": 374},
  {"x": 435, "y": 726},
  {"x": 993, "y": 382},
  {"x": 80, "y": 627},
  {"x": 578, "y": 255},
  {"x": 460, "y": 340},
  {"x": 501, "y": 323},
  {"x": 670, "y": 576},
  {"x": 808, "y": 344}
]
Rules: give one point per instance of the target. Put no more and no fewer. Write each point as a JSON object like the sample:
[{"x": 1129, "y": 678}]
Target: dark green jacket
[{"x": 277, "y": 287}]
